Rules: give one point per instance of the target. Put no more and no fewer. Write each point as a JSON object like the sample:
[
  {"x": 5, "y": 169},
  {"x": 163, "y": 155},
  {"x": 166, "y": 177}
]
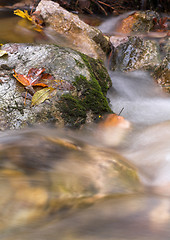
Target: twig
[
  {"x": 121, "y": 111},
  {"x": 105, "y": 4},
  {"x": 100, "y": 6}
]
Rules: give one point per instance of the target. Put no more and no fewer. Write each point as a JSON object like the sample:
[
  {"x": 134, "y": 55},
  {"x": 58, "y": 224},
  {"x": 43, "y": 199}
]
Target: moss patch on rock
[
  {"x": 89, "y": 98},
  {"x": 98, "y": 72},
  {"x": 72, "y": 110},
  {"x": 90, "y": 94}
]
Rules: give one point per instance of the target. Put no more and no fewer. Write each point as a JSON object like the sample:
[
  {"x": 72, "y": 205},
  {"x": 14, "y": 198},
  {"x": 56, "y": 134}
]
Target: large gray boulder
[{"x": 83, "y": 101}]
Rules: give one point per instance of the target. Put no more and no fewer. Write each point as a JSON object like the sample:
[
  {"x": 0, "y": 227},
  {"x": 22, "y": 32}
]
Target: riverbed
[{"x": 141, "y": 215}]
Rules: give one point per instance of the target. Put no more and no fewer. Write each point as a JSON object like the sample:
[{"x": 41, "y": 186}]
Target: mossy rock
[
  {"x": 90, "y": 96},
  {"x": 88, "y": 80}
]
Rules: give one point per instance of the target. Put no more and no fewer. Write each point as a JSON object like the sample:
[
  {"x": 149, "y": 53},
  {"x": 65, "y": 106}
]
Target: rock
[
  {"x": 61, "y": 173},
  {"x": 81, "y": 36},
  {"x": 138, "y": 22},
  {"x": 87, "y": 77},
  {"x": 162, "y": 74},
  {"x": 134, "y": 54}
]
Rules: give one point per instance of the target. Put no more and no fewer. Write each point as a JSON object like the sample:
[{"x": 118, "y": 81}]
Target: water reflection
[
  {"x": 12, "y": 30},
  {"x": 17, "y": 30}
]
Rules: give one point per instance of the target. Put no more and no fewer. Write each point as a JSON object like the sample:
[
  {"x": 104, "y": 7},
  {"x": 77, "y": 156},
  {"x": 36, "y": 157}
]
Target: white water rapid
[{"x": 147, "y": 107}]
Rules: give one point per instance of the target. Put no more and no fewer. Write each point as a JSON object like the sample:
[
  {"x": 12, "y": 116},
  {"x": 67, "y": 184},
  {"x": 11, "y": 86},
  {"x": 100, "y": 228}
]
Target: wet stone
[
  {"x": 162, "y": 74},
  {"x": 134, "y": 54},
  {"x": 48, "y": 171},
  {"x": 63, "y": 64}
]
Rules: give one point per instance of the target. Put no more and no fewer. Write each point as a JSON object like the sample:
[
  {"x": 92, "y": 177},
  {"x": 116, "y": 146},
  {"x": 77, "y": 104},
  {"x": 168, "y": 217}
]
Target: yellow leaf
[
  {"x": 2, "y": 53},
  {"x": 42, "y": 95},
  {"x": 23, "y": 14}
]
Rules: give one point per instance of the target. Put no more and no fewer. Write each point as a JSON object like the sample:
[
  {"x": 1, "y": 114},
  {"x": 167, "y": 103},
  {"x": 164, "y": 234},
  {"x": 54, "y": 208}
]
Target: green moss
[
  {"x": 74, "y": 108},
  {"x": 73, "y": 112},
  {"x": 91, "y": 97},
  {"x": 79, "y": 64},
  {"x": 91, "y": 94},
  {"x": 98, "y": 72}
]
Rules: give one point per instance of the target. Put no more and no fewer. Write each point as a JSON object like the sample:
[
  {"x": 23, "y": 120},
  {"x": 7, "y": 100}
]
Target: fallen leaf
[
  {"x": 35, "y": 74},
  {"x": 48, "y": 76},
  {"x": 113, "y": 129},
  {"x": 32, "y": 78},
  {"x": 42, "y": 95},
  {"x": 34, "y": 19},
  {"x": 37, "y": 19},
  {"x": 23, "y": 14},
  {"x": 114, "y": 120},
  {"x": 2, "y": 53}
]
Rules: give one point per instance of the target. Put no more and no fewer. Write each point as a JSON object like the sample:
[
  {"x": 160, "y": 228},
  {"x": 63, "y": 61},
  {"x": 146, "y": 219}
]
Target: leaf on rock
[
  {"x": 42, "y": 95},
  {"x": 48, "y": 76},
  {"x": 2, "y": 53},
  {"x": 32, "y": 78}
]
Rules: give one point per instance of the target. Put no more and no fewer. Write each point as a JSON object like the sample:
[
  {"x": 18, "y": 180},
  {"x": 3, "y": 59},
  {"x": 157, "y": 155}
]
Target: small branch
[
  {"x": 105, "y": 4},
  {"x": 100, "y": 6}
]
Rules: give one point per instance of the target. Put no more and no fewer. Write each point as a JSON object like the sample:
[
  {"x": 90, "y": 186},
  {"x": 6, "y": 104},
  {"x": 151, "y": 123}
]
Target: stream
[{"x": 144, "y": 215}]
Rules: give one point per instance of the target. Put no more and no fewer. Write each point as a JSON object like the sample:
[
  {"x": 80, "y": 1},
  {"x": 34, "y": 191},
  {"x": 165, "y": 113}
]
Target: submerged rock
[
  {"x": 61, "y": 173},
  {"x": 88, "y": 80}
]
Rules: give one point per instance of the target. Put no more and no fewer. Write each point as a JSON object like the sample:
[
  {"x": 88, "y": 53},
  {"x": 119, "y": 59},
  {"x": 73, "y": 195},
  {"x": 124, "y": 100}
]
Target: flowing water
[
  {"x": 148, "y": 108},
  {"x": 141, "y": 215}
]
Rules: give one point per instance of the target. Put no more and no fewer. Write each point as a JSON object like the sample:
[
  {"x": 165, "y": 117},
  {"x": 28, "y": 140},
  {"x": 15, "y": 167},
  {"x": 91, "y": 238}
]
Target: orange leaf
[
  {"x": 22, "y": 79},
  {"x": 114, "y": 120},
  {"x": 32, "y": 78},
  {"x": 35, "y": 74},
  {"x": 40, "y": 85}
]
